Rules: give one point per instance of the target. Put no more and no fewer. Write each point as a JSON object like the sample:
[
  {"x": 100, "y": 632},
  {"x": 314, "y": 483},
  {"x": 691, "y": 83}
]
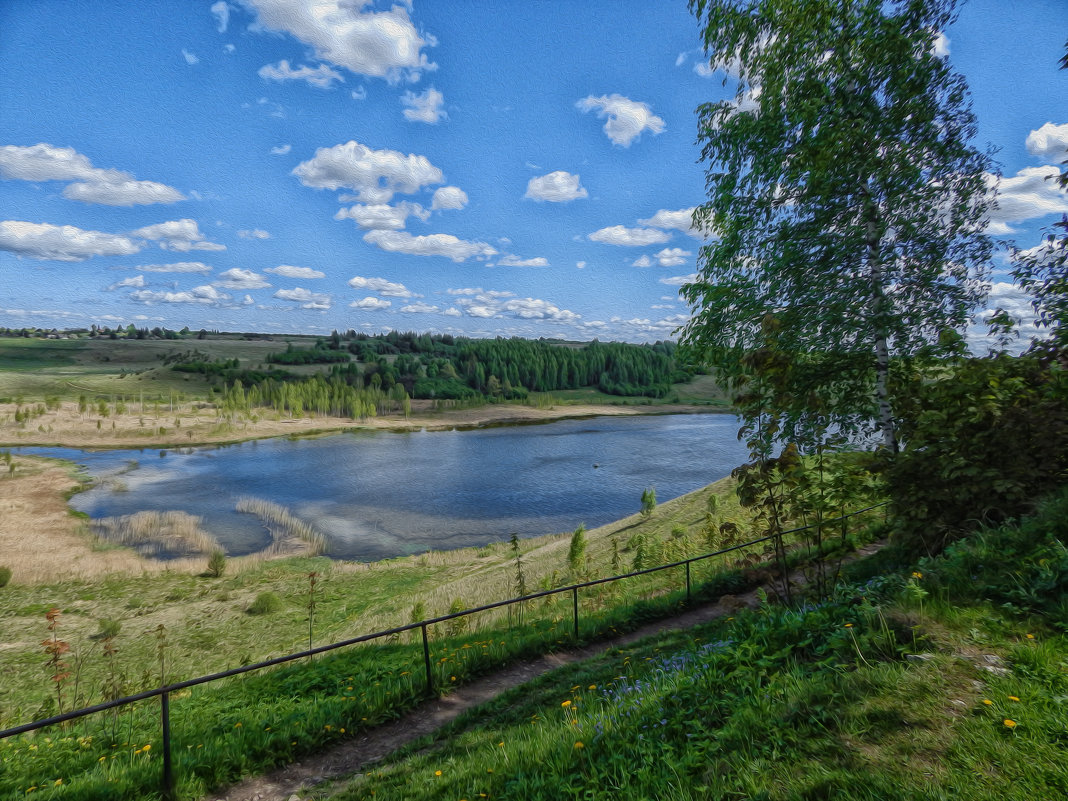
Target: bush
[
  {"x": 216, "y": 564},
  {"x": 5, "y": 576},
  {"x": 265, "y": 604},
  {"x": 108, "y": 628}
]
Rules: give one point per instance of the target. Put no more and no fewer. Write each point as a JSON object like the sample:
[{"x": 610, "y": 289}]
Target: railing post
[
  {"x": 168, "y": 768},
  {"x": 574, "y": 607},
  {"x": 687, "y": 582},
  {"x": 426, "y": 661}
]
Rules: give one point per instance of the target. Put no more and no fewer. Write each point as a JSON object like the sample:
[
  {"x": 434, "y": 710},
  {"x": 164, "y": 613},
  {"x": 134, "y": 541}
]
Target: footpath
[{"x": 297, "y": 781}]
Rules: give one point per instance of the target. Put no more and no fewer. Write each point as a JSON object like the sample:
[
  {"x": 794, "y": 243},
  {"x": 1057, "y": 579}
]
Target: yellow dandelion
[
  {"x": 566, "y": 703},
  {"x": 102, "y": 759},
  {"x": 57, "y": 782},
  {"x": 1013, "y": 698},
  {"x": 237, "y": 725},
  {"x": 328, "y": 727},
  {"x": 452, "y": 678},
  {"x": 489, "y": 770},
  {"x": 500, "y": 744},
  {"x": 342, "y": 730},
  {"x": 988, "y": 702},
  {"x": 148, "y": 747},
  {"x": 437, "y": 772},
  {"x": 849, "y": 625},
  {"x": 917, "y": 574},
  {"x": 592, "y": 687},
  {"x": 1030, "y": 636},
  {"x": 1009, "y": 724},
  {"x": 31, "y": 789},
  {"x": 579, "y": 744}
]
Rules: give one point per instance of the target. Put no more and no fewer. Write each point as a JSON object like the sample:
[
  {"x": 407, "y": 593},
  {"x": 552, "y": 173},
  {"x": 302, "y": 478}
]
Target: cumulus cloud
[
  {"x": 449, "y": 197},
  {"x": 375, "y": 175},
  {"x": 44, "y": 241},
  {"x": 255, "y": 233},
  {"x": 199, "y": 295},
  {"x": 681, "y": 220},
  {"x": 240, "y": 279},
  {"x": 176, "y": 267},
  {"x": 221, "y": 10},
  {"x": 182, "y": 235},
  {"x": 381, "y": 216},
  {"x": 190, "y": 58},
  {"x": 1049, "y": 142},
  {"x": 626, "y": 119},
  {"x": 418, "y": 308},
  {"x": 642, "y": 261},
  {"x": 1032, "y": 192},
  {"x": 630, "y": 237},
  {"x": 371, "y": 304},
  {"x": 382, "y": 287},
  {"x": 306, "y": 298},
  {"x": 44, "y": 162},
  {"x": 940, "y": 45},
  {"x": 509, "y": 260},
  {"x": 672, "y": 257},
  {"x": 556, "y": 187},
  {"x": 425, "y": 107},
  {"x": 580, "y": 264},
  {"x": 679, "y": 280},
  {"x": 322, "y": 76},
  {"x": 459, "y": 250},
  {"x": 137, "y": 282},
  {"x": 495, "y": 304},
  {"x": 281, "y": 150},
  {"x": 382, "y": 44},
  {"x": 289, "y": 271}
]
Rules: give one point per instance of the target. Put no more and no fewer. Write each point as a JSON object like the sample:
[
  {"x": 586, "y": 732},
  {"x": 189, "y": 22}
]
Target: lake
[{"x": 381, "y": 494}]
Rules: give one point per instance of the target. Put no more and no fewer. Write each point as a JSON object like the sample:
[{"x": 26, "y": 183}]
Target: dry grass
[
  {"x": 157, "y": 534},
  {"x": 289, "y": 534}
]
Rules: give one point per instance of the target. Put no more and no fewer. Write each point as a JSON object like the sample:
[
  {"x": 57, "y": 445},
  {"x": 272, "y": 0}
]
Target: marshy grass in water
[
  {"x": 289, "y": 534},
  {"x": 157, "y": 534}
]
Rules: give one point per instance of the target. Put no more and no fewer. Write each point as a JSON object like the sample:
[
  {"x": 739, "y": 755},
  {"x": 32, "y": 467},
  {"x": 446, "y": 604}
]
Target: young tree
[
  {"x": 848, "y": 203},
  {"x": 648, "y": 501}
]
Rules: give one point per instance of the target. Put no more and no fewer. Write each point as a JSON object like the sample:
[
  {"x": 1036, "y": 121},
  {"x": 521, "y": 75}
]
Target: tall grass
[
  {"x": 156, "y": 534},
  {"x": 289, "y": 534}
]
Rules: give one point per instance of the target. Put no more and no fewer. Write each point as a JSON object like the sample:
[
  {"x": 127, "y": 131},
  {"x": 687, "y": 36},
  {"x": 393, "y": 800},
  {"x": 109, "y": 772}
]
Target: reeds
[
  {"x": 289, "y": 534},
  {"x": 157, "y": 534}
]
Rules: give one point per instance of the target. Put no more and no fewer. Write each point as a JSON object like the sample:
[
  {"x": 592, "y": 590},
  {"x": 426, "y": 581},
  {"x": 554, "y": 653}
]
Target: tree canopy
[{"x": 846, "y": 208}]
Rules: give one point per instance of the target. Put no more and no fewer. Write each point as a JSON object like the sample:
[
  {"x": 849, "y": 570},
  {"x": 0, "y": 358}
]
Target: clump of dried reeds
[
  {"x": 157, "y": 534},
  {"x": 289, "y": 534}
]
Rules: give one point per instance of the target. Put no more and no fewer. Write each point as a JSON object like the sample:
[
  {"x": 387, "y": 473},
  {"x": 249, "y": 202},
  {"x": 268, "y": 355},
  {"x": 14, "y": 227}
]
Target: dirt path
[{"x": 291, "y": 782}]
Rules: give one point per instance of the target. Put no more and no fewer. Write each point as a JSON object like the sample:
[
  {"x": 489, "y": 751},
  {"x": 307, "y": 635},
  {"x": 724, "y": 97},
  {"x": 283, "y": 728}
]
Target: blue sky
[{"x": 477, "y": 167}]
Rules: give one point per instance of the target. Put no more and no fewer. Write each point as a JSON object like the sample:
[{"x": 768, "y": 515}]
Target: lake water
[{"x": 382, "y": 494}]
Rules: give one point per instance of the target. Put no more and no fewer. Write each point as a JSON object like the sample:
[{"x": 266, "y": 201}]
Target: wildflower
[
  {"x": 988, "y": 702},
  {"x": 849, "y": 625},
  {"x": 1030, "y": 636},
  {"x": 342, "y": 730},
  {"x": 328, "y": 727},
  {"x": 102, "y": 759},
  {"x": 500, "y": 744},
  {"x": 579, "y": 744},
  {"x": 566, "y": 703},
  {"x": 592, "y": 687},
  {"x": 1010, "y": 724},
  {"x": 237, "y": 725},
  {"x": 1013, "y": 698},
  {"x": 148, "y": 747},
  {"x": 437, "y": 772},
  {"x": 917, "y": 574},
  {"x": 58, "y": 782}
]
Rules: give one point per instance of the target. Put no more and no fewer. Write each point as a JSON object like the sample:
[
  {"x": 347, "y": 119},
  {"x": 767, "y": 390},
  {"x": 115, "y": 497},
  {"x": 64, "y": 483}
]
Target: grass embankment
[{"x": 944, "y": 680}]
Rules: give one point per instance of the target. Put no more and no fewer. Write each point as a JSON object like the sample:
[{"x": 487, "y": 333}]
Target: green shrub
[
  {"x": 216, "y": 564},
  {"x": 5, "y": 576},
  {"x": 265, "y": 604},
  {"x": 108, "y": 628}
]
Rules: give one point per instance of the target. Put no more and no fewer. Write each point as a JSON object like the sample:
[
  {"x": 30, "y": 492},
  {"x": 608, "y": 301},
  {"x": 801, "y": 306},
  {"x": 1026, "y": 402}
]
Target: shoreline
[{"x": 66, "y": 428}]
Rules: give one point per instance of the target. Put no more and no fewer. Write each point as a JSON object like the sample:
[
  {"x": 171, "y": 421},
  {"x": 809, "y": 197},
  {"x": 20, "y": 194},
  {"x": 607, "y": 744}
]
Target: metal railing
[{"x": 164, "y": 692}]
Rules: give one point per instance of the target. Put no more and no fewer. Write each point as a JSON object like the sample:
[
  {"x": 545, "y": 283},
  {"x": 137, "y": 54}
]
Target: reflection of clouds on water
[{"x": 145, "y": 476}]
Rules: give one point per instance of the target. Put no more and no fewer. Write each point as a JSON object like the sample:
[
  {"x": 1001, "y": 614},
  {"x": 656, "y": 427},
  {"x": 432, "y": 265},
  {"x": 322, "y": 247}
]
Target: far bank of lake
[{"x": 379, "y": 494}]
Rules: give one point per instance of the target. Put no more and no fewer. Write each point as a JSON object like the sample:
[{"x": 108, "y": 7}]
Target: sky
[{"x": 463, "y": 166}]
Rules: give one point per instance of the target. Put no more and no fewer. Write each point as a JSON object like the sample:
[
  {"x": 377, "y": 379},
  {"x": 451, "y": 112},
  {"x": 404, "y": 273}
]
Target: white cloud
[
  {"x": 182, "y": 235},
  {"x": 495, "y": 304},
  {"x": 322, "y": 76},
  {"x": 190, "y": 58},
  {"x": 630, "y": 237},
  {"x": 679, "y": 280},
  {"x": 371, "y": 304},
  {"x": 382, "y": 44},
  {"x": 359, "y": 93},
  {"x": 1032, "y": 192},
  {"x": 237, "y": 278},
  {"x": 137, "y": 282},
  {"x": 307, "y": 299},
  {"x": 176, "y": 267},
  {"x": 643, "y": 261},
  {"x": 510, "y": 260},
  {"x": 375, "y": 175},
  {"x": 672, "y": 257},
  {"x": 681, "y": 220},
  {"x": 381, "y": 286},
  {"x": 425, "y": 107},
  {"x": 281, "y": 150},
  {"x": 289, "y": 271},
  {"x": 418, "y": 308},
  {"x": 626, "y": 118},
  {"x": 255, "y": 233},
  {"x": 200, "y": 295},
  {"x": 452, "y": 311},
  {"x": 449, "y": 197},
  {"x": 229, "y": 48},
  {"x": 1049, "y": 142},
  {"x": 580, "y": 264},
  {"x": 556, "y": 187},
  {"x": 44, "y": 162},
  {"x": 459, "y": 250},
  {"x": 940, "y": 45},
  {"x": 44, "y": 241},
  {"x": 221, "y": 10},
  {"x": 381, "y": 216}
]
